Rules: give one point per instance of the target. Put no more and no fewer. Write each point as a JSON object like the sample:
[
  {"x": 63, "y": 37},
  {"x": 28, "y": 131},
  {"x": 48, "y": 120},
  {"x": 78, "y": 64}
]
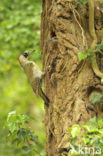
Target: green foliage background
[{"x": 19, "y": 31}]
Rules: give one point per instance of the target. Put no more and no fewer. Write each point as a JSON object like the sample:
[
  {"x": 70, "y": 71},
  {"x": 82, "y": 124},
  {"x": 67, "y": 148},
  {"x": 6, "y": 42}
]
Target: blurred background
[{"x": 19, "y": 32}]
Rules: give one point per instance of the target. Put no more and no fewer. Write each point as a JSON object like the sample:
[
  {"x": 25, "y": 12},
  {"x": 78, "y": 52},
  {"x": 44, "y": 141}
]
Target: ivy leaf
[
  {"x": 100, "y": 122},
  {"x": 82, "y": 56},
  {"x": 91, "y": 128},
  {"x": 86, "y": 127},
  {"x": 97, "y": 98},
  {"x": 85, "y": 139},
  {"x": 99, "y": 46},
  {"x": 89, "y": 52},
  {"x": 101, "y": 131},
  {"x": 11, "y": 127},
  {"x": 10, "y": 115},
  {"x": 28, "y": 148},
  {"x": 101, "y": 1},
  {"x": 28, "y": 117},
  {"x": 21, "y": 134},
  {"x": 92, "y": 120},
  {"x": 74, "y": 130},
  {"x": 22, "y": 118},
  {"x": 34, "y": 138},
  {"x": 94, "y": 139}
]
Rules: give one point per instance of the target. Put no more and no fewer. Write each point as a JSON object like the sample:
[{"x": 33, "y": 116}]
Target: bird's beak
[{"x": 31, "y": 52}]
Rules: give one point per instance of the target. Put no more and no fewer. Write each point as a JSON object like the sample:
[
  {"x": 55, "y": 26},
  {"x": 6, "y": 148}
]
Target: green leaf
[
  {"x": 93, "y": 58},
  {"x": 82, "y": 56},
  {"x": 86, "y": 127},
  {"x": 101, "y": 131},
  {"x": 94, "y": 139},
  {"x": 89, "y": 52},
  {"x": 22, "y": 118},
  {"x": 101, "y": 1},
  {"x": 11, "y": 114},
  {"x": 21, "y": 134},
  {"x": 28, "y": 117},
  {"x": 96, "y": 99},
  {"x": 11, "y": 127},
  {"x": 34, "y": 138},
  {"x": 85, "y": 139},
  {"x": 92, "y": 120},
  {"x": 74, "y": 140},
  {"x": 100, "y": 122},
  {"x": 28, "y": 148},
  {"x": 99, "y": 47},
  {"x": 92, "y": 128},
  {"x": 102, "y": 81},
  {"x": 74, "y": 130}
]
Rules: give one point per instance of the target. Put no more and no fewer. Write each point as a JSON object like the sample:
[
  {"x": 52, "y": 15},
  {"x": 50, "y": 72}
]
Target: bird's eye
[{"x": 25, "y": 55}]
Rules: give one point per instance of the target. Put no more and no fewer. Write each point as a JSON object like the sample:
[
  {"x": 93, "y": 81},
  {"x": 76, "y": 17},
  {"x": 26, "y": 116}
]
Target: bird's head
[{"x": 25, "y": 55}]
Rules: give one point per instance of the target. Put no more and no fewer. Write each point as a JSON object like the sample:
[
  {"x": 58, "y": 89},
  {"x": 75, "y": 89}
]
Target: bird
[{"x": 34, "y": 75}]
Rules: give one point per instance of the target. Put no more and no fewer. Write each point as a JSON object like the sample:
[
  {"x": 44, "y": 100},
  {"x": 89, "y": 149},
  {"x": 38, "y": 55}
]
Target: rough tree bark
[{"x": 69, "y": 83}]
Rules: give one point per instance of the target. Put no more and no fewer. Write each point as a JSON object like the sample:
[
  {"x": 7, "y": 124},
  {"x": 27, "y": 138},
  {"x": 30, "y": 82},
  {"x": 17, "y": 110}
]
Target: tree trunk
[{"x": 69, "y": 83}]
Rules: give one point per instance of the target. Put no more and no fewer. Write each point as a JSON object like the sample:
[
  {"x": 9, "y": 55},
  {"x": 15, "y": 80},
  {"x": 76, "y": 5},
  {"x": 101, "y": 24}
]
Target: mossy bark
[{"x": 69, "y": 84}]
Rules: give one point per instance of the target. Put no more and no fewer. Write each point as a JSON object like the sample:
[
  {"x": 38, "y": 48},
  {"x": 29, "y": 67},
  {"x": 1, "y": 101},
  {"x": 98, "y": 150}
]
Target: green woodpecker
[{"x": 34, "y": 74}]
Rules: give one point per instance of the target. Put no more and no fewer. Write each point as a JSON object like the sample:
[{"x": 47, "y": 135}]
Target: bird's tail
[{"x": 44, "y": 97}]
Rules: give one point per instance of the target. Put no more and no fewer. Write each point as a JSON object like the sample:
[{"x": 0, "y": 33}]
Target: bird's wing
[{"x": 29, "y": 69}]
